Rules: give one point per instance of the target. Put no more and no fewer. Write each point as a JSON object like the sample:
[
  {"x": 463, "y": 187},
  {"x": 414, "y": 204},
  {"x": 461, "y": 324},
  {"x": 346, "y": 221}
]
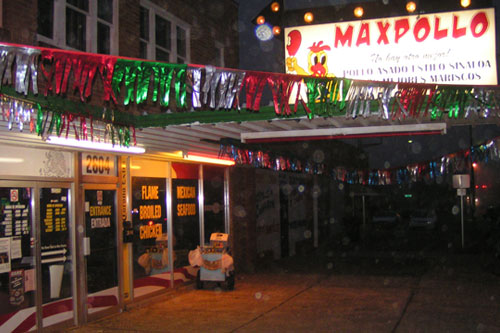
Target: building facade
[{"x": 84, "y": 233}]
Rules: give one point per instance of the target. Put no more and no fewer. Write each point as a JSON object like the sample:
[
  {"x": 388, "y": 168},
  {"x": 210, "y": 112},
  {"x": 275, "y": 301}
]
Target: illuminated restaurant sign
[{"x": 447, "y": 48}]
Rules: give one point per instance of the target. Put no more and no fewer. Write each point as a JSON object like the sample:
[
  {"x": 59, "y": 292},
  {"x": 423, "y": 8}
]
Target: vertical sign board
[
  {"x": 55, "y": 243},
  {"x": 186, "y": 219},
  {"x": 100, "y": 222},
  {"x": 15, "y": 250},
  {"x": 448, "y": 48},
  {"x": 149, "y": 221}
]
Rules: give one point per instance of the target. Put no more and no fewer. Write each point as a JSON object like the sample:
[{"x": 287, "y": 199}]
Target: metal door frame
[
  {"x": 82, "y": 260},
  {"x": 36, "y": 186}
]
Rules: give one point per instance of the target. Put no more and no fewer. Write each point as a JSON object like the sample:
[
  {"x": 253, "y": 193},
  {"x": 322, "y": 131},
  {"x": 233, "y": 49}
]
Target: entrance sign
[{"x": 446, "y": 48}]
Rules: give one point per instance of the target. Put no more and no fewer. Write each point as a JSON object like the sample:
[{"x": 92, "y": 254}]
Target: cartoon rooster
[{"x": 316, "y": 59}]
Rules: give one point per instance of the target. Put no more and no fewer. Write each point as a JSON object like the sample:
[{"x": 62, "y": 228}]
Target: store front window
[
  {"x": 17, "y": 267},
  {"x": 151, "y": 267},
  {"x": 186, "y": 220},
  {"x": 213, "y": 194}
]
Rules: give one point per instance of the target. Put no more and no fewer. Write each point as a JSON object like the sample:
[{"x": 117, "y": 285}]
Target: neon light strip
[
  {"x": 196, "y": 158},
  {"x": 94, "y": 145}
]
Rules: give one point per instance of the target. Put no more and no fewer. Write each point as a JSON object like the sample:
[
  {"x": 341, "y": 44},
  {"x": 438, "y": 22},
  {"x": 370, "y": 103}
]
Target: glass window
[
  {"x": 149, "y": 222},
  {"x": 162, "y": 30},
  {"x": 81, "y": 4},
  {"x": 186, "y": 220},
  {"x": 88, "y": 25},
  {"x": 103, "y": 38},
  {"x": 213, "y": 194},
  {"x": 144, "y": 23},
  {"x": 46, "y": 18},
  {"x": 181, "y": 42},
  {"x": 163, "y": 36},
  {"x": 15, "y": 220},
  {"x": 162, "y": 55},
  {"x": 75, "y": 29},
  {"x": 105, "y": 10}
]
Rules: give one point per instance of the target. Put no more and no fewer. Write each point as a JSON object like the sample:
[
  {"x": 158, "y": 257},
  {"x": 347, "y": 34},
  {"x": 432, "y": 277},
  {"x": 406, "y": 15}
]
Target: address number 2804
[{"x": 98, "y": 165}]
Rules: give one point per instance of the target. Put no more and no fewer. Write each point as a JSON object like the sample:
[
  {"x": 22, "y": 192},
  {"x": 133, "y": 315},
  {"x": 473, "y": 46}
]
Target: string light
[
  {"x": 308, "y": 17},
  {"x": 261, "y": 20},
  {"x": 275, "y": 7},
  {"x": 411, "y": 6},
  {"x": 465, "y": 3},
  {"x": 276, "y": 30},
  {"x": 358, "y": 11}
]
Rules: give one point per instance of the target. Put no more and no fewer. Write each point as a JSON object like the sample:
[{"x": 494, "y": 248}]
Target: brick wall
[
  {"x": 19, "y": 22},
  {"x": 243, "y": 218},
  {"x": 210, "y": 21}
]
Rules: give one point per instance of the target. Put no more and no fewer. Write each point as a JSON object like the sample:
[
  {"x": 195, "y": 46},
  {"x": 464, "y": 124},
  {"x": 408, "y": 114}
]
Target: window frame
[
  {"x": 59, "y": 20},
  {"x": 153, "y": 11}
]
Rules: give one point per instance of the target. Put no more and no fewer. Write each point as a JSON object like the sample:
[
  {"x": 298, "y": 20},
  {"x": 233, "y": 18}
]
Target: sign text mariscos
[{"x": 451, "y": 47}]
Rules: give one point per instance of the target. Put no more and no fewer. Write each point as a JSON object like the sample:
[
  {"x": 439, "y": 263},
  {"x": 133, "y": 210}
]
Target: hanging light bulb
[
  {"x": 308, "y": 17},
  {"x": 275, "y": 7},
  {"x": 411, "y": 6},
  {"x": 358, "y": 11},
  {"x": 465, "y": 3},
  {"x": 261, "y": 20}
]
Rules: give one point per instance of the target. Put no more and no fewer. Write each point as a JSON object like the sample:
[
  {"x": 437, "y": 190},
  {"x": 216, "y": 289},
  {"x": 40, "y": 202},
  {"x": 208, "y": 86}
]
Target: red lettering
[
  {"x": 364, "y": 35},
  {"x": 422, "y": 24},
  {"x": 401, "y": 27},
  {"x": 343, "y": 38},
  {"x": 457, "y": 32},
  {"x": 383, "y": 32},
  {"x": 438, "y": 34},
  {"x": 479, "y": 19}
]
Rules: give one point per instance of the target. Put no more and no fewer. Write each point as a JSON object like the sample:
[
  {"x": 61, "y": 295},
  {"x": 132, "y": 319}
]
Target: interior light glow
[
  {"x": 211, "y": 160},
  {"x": 94, "y": 145},
  {"x": 465, "y": 3},
  {"x": 11, "y": 160},
  {"x": 175, "y": 154},
  {"x": 133, "y": 167}
]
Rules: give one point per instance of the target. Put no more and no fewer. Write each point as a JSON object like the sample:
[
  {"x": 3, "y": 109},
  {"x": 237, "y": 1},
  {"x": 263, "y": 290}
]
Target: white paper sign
[
  {"x": 448, "y": 48},
  {"x": 4, "y": 255}
]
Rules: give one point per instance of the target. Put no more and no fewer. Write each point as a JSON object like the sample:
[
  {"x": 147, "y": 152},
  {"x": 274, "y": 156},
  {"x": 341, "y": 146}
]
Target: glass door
[
  {"x": 17, "y": 263},
  {"x": 56, "y": 255},
  {"x": 101, "y": 249},
  {"x": 36, "y": 264}
]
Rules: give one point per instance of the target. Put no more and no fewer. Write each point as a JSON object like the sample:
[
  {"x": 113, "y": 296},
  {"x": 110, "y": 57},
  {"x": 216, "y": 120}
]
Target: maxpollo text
[{"x": 421, "y": 30}]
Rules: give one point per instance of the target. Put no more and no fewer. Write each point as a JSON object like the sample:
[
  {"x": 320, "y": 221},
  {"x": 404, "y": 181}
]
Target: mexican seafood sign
[{"x": 445, "y": 48}]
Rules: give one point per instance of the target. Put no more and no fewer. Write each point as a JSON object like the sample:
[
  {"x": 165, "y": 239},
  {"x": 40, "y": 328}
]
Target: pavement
[{"x": 370, "y": 292}]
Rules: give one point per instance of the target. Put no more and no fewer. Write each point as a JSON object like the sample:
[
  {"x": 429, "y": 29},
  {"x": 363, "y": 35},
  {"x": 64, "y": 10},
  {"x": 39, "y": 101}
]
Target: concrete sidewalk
[{"x": 446, "y": 294}]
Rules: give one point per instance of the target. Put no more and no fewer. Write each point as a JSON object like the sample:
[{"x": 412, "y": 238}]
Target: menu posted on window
[{"x": 54, "y": 218}]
